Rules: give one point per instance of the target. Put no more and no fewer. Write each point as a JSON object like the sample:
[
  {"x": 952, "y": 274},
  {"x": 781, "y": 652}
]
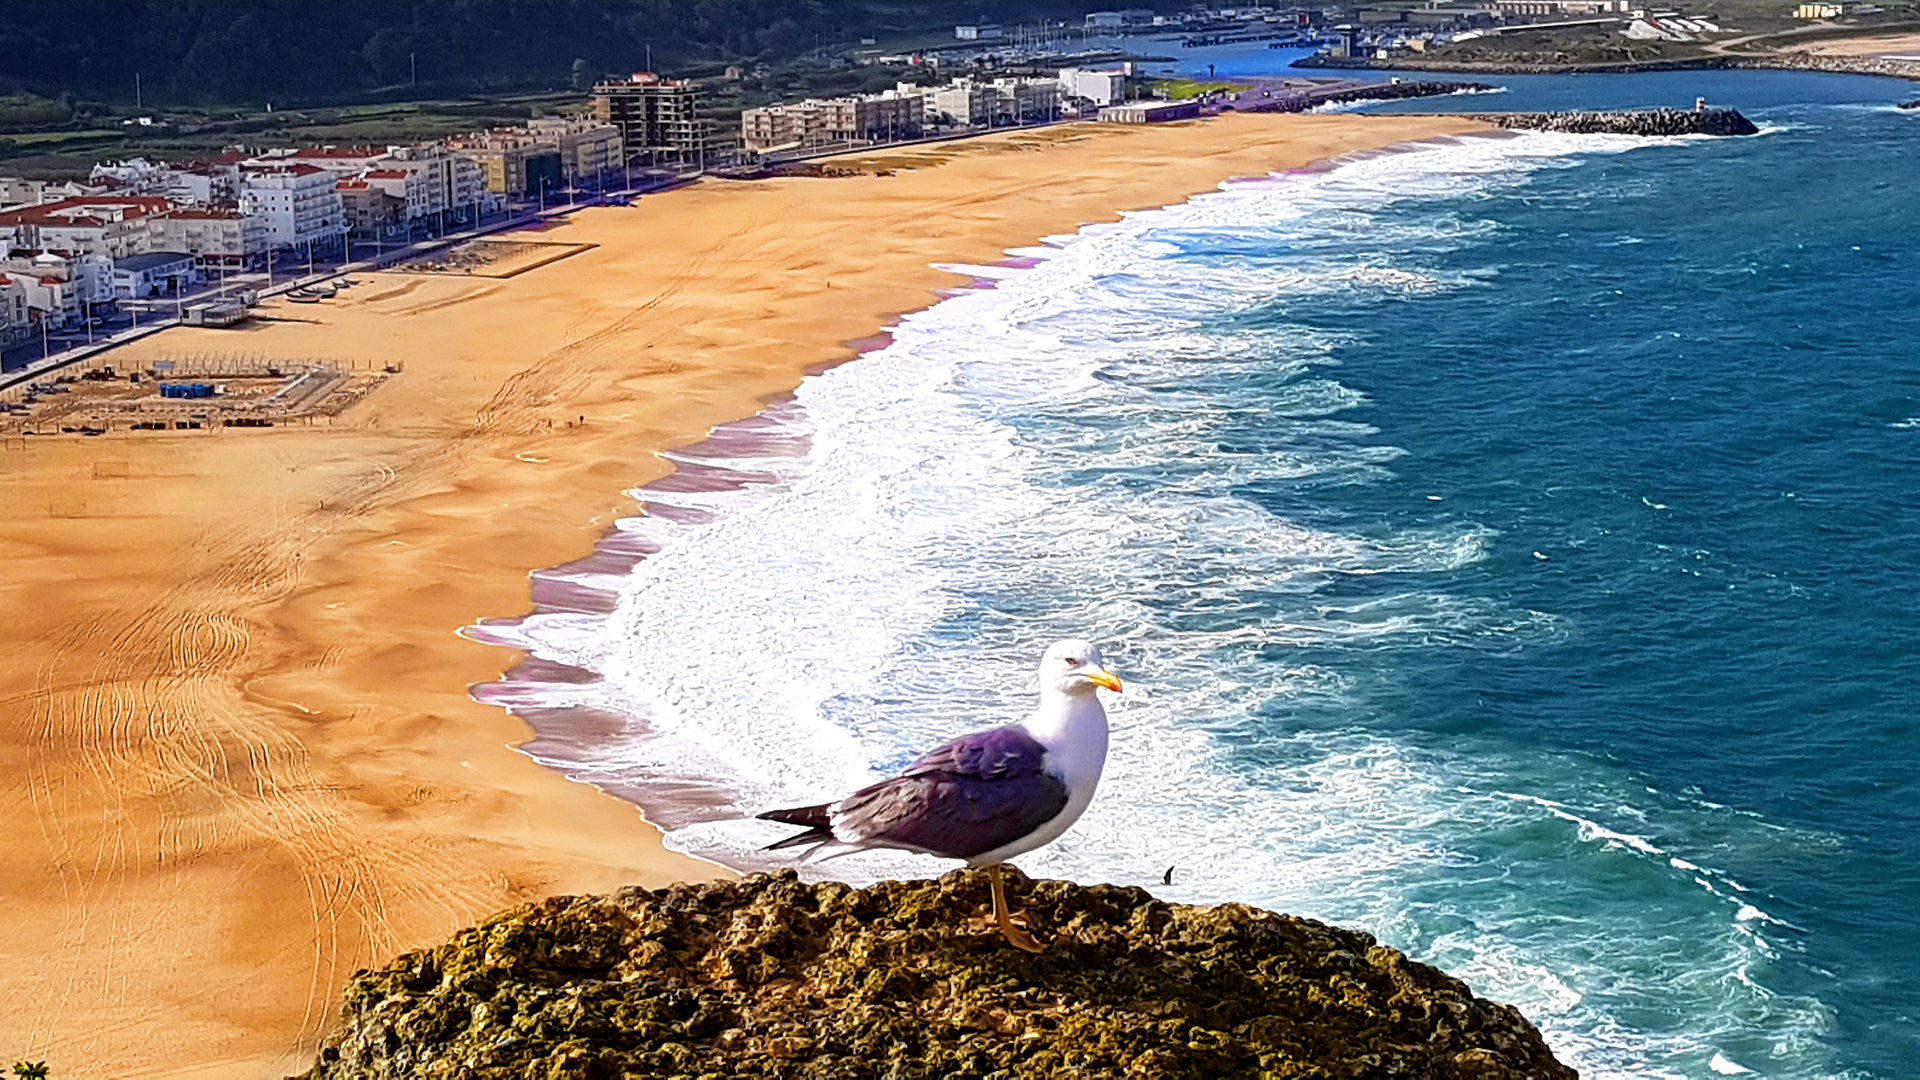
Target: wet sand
[{"x": 238, "y": 754}]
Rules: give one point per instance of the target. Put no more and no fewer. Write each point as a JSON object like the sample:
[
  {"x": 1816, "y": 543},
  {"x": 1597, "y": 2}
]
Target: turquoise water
[{"x": 1508, "y": 542}]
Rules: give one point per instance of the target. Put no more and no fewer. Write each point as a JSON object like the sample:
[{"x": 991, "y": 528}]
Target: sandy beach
[
  {"x": 238, "y": 750},
  {"x": 1888, "y": 45}
]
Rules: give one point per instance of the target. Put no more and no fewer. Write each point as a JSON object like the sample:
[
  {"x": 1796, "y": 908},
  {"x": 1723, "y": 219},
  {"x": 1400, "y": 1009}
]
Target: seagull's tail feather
[
  {"x": 818, "y": 823},
  {"x": 813, "y": 817}
]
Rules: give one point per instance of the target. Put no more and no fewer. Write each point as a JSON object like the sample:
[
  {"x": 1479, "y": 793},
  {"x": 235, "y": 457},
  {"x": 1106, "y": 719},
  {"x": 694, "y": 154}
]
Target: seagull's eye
[{"x": 1071, "y": 662}]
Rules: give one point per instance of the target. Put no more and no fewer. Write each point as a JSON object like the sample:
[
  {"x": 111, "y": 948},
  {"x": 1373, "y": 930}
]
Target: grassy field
[
  {"x": 1178, "y": 89},
  {"x": 26, "y": 112},
  {"x": 68, "y": 153},
  {"x": 1574, "y": 45}
]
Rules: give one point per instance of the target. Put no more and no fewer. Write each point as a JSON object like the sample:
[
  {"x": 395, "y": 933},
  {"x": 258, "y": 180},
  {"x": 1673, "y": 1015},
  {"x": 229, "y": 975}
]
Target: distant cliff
[
  {"x": 1633, "y": 122},
  {"x": 772, "y": 977}
]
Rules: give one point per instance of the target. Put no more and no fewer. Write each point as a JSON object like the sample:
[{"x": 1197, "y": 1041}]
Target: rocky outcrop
[
  {"x": 1839, "y": 65},
  {"x": 769, "y": 976},
  {"x": 1633, "y": 122}
]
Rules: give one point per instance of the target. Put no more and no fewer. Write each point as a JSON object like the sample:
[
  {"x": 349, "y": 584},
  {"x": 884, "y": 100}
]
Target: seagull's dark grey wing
[{"x": 976, "y": 793}]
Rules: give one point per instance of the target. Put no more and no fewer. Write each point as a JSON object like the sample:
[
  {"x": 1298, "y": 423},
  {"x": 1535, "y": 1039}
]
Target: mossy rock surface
[{"x": 770, "y": 976}]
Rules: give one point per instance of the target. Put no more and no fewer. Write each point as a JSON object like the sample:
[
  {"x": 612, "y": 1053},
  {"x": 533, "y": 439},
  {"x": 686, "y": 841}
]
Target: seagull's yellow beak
[{"x": 1103, "y": 677}]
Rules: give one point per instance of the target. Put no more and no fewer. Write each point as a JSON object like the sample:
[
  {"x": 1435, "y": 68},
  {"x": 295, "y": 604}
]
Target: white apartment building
[
  {"x": 215, "y": 237},
  {"x": 1002, "y": 101},
  {"x": 405, "y": 185},
  {"x": 205, "y": 182},
  {"x": 15, "y": 192},
  {"x": 135, "y": 176},
  {"x": 895, "y": 114},
  {"x": 112, "y": 225},
  {"x": 432, "y": 180},
  {"x": 15, "y": 324},
  {"x": 457, "y": 182},
  {"x": 963, "y": 102},
  {"x": 62, "y": 290},
  {"x": 588, "y": 148},
  {"x": 430, "y": 177},
  {"x": 298, "y": 203},
  {"x": 1102, "y": 87}
]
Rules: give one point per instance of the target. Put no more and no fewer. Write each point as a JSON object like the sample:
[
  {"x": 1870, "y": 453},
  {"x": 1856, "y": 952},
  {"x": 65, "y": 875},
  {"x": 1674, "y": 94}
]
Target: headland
[
  {"x": 241, "y": 756},
  {"x": 771, "y": 977}
]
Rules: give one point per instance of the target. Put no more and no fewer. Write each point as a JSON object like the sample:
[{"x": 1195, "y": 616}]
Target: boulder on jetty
[
  {"x": 1706, "y": 121},
  {"x": 770, "y": 976}
]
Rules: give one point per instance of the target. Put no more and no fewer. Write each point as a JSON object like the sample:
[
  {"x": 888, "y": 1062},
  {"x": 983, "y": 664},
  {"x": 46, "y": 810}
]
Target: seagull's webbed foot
[
  {"x": 1018, "y": 937},
  {"x": 1011, "y": 924}
]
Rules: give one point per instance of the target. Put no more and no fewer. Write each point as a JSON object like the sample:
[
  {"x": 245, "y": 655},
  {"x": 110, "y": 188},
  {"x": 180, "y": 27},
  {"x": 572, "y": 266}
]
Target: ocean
[{"x": 1508, "y": 542}]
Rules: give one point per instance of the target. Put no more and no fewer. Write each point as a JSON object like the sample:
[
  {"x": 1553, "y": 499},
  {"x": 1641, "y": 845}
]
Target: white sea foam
[{"x": 1068, "y": 453}]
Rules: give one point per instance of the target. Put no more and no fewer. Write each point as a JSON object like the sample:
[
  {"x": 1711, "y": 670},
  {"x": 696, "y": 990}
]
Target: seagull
[{"x": 987, "y": 796}]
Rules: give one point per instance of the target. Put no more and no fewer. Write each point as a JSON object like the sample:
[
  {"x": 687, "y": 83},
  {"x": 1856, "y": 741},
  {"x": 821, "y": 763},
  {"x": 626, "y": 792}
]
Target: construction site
[{"x": 190, "y": 392}]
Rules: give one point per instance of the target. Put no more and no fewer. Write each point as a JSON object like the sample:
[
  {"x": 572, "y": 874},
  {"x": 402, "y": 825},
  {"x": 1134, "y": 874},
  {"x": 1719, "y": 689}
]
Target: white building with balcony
[
  {"x": 111, "y": 225},
  {"x": 215, "y": 237},
  {"x": 60, "y": 291},
  {"x": 298, "y": 203},
  {"x": 431, "y": 180}
]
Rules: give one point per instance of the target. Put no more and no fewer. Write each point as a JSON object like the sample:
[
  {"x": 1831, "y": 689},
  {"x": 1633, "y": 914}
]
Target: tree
[{"x": 30, "y": 1070}]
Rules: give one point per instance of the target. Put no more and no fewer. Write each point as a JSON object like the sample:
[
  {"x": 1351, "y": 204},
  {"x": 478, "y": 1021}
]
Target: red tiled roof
[
  {"x": 63, "y": 212},
  {"x": 385, "y": 174},
  {"x": 286, "y": 170},
  {"x": 339, "y": 152}
]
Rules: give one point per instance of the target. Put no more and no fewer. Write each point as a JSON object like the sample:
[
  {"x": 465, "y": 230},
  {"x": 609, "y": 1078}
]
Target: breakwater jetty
[
  {"x": 1399, "y": 91},
  {"x": 1697, "y": 121},
  {"x": 1290, "y": 96}
]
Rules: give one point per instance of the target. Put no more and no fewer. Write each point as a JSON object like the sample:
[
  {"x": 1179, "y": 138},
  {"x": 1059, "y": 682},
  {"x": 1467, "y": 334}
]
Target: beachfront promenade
[
  {"x": 77, "y": 353},
  {"x": 73, "y": 352}
]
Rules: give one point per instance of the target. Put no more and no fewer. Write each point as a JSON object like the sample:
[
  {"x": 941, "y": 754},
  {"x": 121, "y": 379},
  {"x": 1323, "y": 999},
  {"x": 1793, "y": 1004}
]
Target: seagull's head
[{"x": 1074, "y": 667}]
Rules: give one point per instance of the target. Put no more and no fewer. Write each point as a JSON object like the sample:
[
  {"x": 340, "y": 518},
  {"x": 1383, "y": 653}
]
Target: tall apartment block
[{"x": 659, "y": 119}]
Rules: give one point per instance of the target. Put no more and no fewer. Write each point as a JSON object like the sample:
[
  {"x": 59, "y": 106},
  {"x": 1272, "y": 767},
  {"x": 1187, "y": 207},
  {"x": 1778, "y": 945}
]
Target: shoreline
[
  {"x": 732, "y": 458},
  {"x": 238, "y": 720}
]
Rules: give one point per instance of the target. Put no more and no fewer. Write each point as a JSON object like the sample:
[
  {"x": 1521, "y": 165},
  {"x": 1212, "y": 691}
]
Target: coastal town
[
  {"x": 139, "y": 243},
  {"x": 486, "y": 488},
  {"x": 197, "y": 241}
]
